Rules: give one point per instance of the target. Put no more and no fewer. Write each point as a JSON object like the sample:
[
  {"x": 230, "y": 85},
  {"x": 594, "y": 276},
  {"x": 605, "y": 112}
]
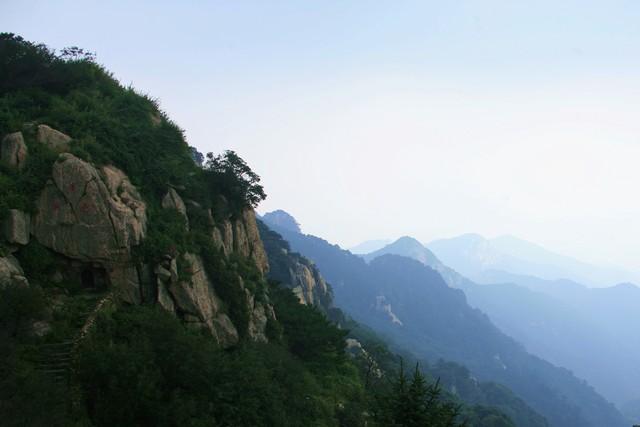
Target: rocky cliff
[
  {"x": 293, "y": 270},
  {"x": 92, "y": 219}
]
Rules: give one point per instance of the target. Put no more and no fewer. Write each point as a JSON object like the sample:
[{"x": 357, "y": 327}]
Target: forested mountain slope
[
  {"x": 411, "y": 303},
  {"x": 591, "y": 331}
]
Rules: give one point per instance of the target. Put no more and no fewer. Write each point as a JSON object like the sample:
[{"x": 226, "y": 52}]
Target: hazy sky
[{"x": 379, "y": 119}]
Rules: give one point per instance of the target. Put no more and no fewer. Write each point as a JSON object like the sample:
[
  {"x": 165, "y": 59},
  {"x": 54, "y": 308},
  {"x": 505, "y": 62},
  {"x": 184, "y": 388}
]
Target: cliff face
[
  {"x": 307, "y": 283},
  {"x": 196, "y": 299},
  {"x": 294, "y": 271},
  {"x": 241, "y": 236},
  {"x": 92, "y": 219}
]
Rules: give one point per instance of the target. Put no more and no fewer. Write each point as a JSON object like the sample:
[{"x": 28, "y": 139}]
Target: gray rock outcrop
[
  {"x": 13, "y": 151},
  {"x": 16, "y": 227},
  {"x": 259, "y": 315},
  {"x": 52, "y": 138},
  {"x": 241, "y": 236},
  {"x": 89, "y": 215},
  {"x": 307, "y": 284},
  {"x": 198, "y": 302},
  {"x": 93, "y": 218},
  {"x": 11, "y": 273}
]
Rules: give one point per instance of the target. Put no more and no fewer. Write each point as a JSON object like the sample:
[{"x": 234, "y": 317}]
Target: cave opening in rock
[
  {"x": 93, "y": 279},
  {"x": 88, "y": 280}
]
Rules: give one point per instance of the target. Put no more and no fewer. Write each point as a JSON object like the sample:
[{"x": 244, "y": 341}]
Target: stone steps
[{"x": 56, "y": 359}]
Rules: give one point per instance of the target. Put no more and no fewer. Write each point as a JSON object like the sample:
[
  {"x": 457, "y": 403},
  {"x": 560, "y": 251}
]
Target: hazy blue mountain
[
  {"x": 283, "y": 220},
  {"x": 405, "y": 246},
  {"x": 615, "y": 306},
  {"x": 473, "y": 256},
  {"x": 411, "y": 303},
  {"x": 568, "y": 334},
  {"x": 285, "y": 266},
  {"x": 592, "y": 331},
  {"x": 369, "y": 246},
  {"x": 631, "y": 410}
]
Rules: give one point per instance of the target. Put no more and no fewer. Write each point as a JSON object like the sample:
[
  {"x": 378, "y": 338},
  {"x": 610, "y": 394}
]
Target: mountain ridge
[
  {"x": 571, "y": 325},
  {"x": 371, "y": 292}
]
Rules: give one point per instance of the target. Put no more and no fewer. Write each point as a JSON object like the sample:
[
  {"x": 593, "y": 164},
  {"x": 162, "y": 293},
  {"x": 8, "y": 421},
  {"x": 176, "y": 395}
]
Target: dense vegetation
[{"x": 142, "y": 366}]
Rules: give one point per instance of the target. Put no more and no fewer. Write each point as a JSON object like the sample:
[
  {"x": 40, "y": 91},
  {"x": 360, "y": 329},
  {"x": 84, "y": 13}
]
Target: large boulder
[
  {"x": 52, "y": 138},
  {"x": 13, "y": 151},
  {"x": 16, "y": 227},
  {"x": 89, "y": 215}
]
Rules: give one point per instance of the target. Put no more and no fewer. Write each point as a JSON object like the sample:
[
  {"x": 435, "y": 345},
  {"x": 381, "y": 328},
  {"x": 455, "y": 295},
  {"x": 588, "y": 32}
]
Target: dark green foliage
[
  {"x": 165, "y": 235},
  {"x": 109, "y": 124},
  {"x": 143, "y": 367},
  {"x": 236, "y": 177},
  {"x": 19, "y": 307},
  {"x": 482, "y": 416},
  {"x": 416, "y": 403},
  {"x": 228, "y": 285},
  {"x": 27, "y": 397},
  {"x": 480, "y": 396},
  {"x": 20, "y": 190},
  {"x": 37, "y": 261},
  {"x": 307, "y": 332}
]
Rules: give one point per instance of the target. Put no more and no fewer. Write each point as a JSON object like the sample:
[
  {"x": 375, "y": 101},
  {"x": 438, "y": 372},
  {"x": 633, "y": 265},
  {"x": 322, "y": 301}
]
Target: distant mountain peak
[
  {"x": 472, "y": 237},
  {"x": 369, "y": 246},
  {"x": 408, "y": 241},
  {"x": 626, "y": 286},
  {"x": 475, "y": 257},
  {"x": 282, "y": 219},
  {"x": 409, "y": 247}
]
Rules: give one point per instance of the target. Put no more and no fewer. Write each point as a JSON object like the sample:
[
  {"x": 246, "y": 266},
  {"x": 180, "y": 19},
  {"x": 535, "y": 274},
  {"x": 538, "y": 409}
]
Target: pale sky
[{"x": 372, "y": 120}]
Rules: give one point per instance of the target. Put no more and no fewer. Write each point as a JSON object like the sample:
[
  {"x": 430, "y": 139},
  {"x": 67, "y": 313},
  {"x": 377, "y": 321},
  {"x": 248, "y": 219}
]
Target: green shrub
[{"x": 37, "y": 261}]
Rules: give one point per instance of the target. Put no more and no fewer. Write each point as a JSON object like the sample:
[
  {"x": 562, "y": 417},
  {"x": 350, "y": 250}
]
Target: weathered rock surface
[
  {"x": 307, "y": 284},
  {"x": 87, "y": 215},
  {"x": 13, "y": 151},
  {"x": 94, "y": 217},
  {"x": 16, "y": 227},
  {"x": 52, "y": 138},
  {"x": 197, "y": 299},
  {"x": 260, "y": 313},
  {"x": 172, "y": 200},
  {"x": 242, "y": 237},
  {"x": 125, "y": 279},
  {"x": 289, "y": 268},
  {"x": 11, "y": 274}
]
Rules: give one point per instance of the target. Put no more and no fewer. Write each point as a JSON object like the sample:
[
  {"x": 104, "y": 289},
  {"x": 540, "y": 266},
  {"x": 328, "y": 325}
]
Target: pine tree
[{"x": 416, "y": 403}]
